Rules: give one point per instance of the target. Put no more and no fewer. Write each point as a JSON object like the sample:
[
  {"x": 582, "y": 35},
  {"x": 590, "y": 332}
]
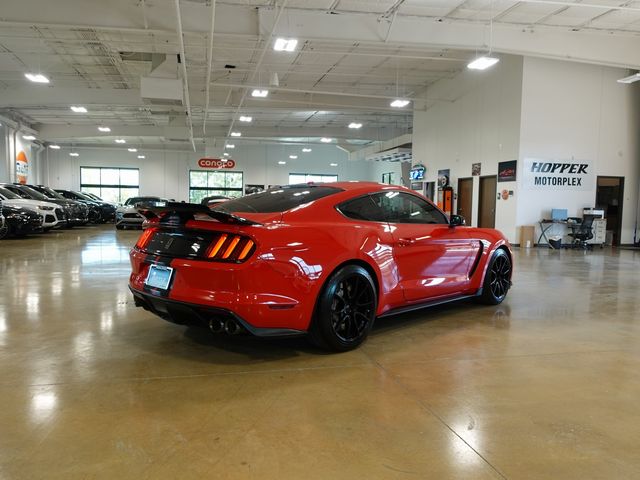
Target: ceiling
[{"x": 352, "y": 59}]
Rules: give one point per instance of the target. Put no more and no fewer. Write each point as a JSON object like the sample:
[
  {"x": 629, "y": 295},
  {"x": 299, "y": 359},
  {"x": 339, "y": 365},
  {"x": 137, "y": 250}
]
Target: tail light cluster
[{"x": 230, "y": 248}]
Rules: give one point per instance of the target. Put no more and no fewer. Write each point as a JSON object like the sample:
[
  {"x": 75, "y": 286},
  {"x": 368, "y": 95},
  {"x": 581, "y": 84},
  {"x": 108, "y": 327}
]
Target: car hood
[
  {"x": 13, "y": 209},
  {"x": 19, "y": 202}
]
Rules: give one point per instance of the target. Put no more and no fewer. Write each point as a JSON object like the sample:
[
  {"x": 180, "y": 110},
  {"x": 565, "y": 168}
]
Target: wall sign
[
  {"x": 417, "y": 172},
  {"x": 568, "y": 175},
  {"x": 507, "y": 171},
  {"x": 22, "y": 167},
  {"x": 476, "y": 168},
  {"x": 443, "y": 178},
  {"x": 216, "y": 163}
]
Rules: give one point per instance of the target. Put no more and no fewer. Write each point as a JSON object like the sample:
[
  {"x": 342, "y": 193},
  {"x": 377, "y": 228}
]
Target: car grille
[
  {"x": 49, "y": 219},
  {"x": 132, "y": 215},
  {"x": 59, "y": 213}
]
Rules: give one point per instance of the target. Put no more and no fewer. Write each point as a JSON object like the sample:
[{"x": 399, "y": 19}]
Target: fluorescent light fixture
[
  {"x": 259, "y": 93},
  {"x": 78, "y": 109},
  {"x": 326, "y": 140},
  {"x": 230, "y": 146},
  {"x": 355, "y": 125},
  {"x": 236, "y": 134},
  {"x": 104, "y": 129},
  {"x": 285, "y": 44},
  {"x": 225, "y": 154},
  {"x": 333, "y": 164},
  {"x": 36, "y": 77},
  {"x": 132, "y": 150},
  {"x": 282, "y": 162},
  {"x": 630, "y": 79},
  {"x": 482, "y": 63},
  {"x": 120, "y": 140},
  {"x": 141, "y": 156},
  {"x": 74, "y": 154},
  {"x": 293, "y": 157},
  {"x": 306, "y": 150},
  {"x": 55, "y": 147},
  {"x": 28, "y": 137},
  {"x": 400, "y": 103},
  {"x": 244, "y": 118}
]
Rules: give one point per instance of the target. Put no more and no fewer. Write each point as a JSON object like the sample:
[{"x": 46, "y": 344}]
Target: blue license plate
[{"x": 159, "y": 277}]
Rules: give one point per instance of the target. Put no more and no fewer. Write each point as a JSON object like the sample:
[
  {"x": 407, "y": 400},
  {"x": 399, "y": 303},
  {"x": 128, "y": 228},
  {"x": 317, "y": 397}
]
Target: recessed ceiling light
[
  {"x": 285, "y": 44},
  {"x": 482, "y": 63},
  {"x": 55, "y": 147},
  {"x": 229, "y": 145},
  {"x": 120, "y": 140},
  {"x": 282, "y": 162},
  {"x": 236, "y": 134},
  {"x": 306, "y": 150},
  {"x": 333, "y": 164},
  {"x": 630, "y": 78},
  {"x": 28, "y": 137},
  {"x": 259, "y": 93},
  {"x": 132, "y": 150},
  {"x": 326, "y": 140},
  {"x": 293, "y": 157},
  {"x": 400, "y": 103},
  {"x": 104, "y": 129},
  {"x": 78, "y": 109},
  {"x": 355, "y": 125},
  {"x": 74, "y": 154},
  {"x": 225, "y": 154},
  {"x": 141, "y": 156},
  {"x": 37, "y": 77},
  {"x": 244, "y": 118}
]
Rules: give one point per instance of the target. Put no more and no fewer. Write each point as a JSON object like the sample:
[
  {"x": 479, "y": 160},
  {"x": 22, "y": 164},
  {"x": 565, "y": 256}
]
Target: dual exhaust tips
[{"x": 228, "y": 326}]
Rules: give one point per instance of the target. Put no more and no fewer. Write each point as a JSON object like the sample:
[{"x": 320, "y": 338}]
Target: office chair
[{"x": 583, "y": 232}]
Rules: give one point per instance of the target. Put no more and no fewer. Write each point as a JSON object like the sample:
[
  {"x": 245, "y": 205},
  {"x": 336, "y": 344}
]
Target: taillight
[
  {"x": 233, "y": 248},
  {"x": 144, "y": 239}
]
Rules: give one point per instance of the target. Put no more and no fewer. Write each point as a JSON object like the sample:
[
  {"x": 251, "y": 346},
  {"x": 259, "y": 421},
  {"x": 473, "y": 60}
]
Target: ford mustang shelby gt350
[{"x": 318, "y": 259}]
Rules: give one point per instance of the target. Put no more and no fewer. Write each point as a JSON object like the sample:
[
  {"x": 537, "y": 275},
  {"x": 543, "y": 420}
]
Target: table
[{"x": 546, "y": 224}]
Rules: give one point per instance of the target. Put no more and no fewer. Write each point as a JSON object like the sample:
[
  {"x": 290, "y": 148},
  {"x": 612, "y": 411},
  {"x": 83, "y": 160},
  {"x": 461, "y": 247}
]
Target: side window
[
  {"x": 363, "y": 208},
  {"x": 405, "y": 208}
]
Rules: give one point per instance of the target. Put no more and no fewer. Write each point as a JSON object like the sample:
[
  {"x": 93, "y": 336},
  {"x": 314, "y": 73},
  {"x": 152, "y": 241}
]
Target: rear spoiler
[{"x": 178, "y": 213}]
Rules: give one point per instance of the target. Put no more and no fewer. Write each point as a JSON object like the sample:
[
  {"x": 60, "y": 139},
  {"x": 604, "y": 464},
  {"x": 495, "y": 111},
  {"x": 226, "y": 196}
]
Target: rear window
[{"x": 277, "y": 199}]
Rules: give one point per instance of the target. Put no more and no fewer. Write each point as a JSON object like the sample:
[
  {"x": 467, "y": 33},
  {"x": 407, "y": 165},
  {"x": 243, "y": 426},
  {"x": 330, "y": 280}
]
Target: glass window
[
  {"x": 296, "y": 178},
  {"x": 204, "y": 184},
  {"x": 278, "y": 199},
  {"x": 406, "y": 208},
  {"x": 113, "y": 185},
  {"x": 363, "y": 208}
]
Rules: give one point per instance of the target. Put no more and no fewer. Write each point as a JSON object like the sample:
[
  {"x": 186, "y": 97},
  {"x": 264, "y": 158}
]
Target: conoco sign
[{"x": 216, "y": 163}]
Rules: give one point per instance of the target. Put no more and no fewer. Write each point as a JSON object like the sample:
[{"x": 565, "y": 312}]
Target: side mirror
[{"x": 457, "y": 221}]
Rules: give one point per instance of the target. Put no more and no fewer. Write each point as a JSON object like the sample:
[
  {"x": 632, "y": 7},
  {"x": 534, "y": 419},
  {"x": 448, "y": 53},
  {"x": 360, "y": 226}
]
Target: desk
[{"x": 545, "y": 225}]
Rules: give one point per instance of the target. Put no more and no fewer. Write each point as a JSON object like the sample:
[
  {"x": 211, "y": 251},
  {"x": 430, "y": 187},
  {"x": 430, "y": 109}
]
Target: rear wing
[{"x": 178, "y": 213}]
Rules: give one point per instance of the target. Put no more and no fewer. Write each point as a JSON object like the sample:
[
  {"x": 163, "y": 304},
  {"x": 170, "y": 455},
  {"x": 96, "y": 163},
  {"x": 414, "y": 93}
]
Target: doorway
[
  {"x": 465, "y": 198},
  {"x": 487, "y": 205},
  {"x": 609, "y": 197}
]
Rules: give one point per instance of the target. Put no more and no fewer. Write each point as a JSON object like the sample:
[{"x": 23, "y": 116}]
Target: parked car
[
  {"x": 21, "y": 221},
  {"x": 213, "y": 200},
  {"x": 3, "y": 224},
  {"x": 127, "y": 215},
  {"x": 75, "y": 213},
  {"x": 52, "y": 214},
  {"x": 322, "y": 260},
  {"x": 102, "y": 211}
]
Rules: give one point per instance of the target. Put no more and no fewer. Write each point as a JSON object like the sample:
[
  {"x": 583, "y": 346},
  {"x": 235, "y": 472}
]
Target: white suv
[{"x": 52, "y": 214}]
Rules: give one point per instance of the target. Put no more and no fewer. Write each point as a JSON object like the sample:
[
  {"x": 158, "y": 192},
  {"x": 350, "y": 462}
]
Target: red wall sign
[{"x": 216, "y": 163}]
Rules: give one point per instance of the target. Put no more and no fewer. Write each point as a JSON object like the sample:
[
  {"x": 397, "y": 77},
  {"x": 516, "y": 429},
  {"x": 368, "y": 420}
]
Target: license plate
[{"x": 159, "y": 277}]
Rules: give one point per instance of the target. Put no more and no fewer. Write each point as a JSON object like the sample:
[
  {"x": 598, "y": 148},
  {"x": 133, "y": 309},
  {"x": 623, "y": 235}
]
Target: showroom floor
[{"x": 544, "y": 386}]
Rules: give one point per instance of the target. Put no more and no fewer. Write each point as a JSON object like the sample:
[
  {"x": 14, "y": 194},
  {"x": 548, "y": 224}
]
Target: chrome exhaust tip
[
  {"x": 231, "y": 327},
  {"x": 216, "y": 325}
]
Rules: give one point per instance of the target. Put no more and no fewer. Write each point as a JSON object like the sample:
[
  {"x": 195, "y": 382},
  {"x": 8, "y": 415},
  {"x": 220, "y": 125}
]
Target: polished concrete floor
[{"x": 545, "y": 386}]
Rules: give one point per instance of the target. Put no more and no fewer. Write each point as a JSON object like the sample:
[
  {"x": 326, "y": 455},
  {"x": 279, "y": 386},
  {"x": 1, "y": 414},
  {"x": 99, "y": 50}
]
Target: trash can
[{"x": 555, "y": 242}]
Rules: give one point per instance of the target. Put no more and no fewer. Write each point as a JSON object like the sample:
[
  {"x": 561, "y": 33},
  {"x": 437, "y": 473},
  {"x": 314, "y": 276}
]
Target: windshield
[
  {"x": 32, "y": 193},
  {"x": 134, "y": 200},
  {"x": 83, "y": 196},
  {"x": 46, "y": 191},
  {"x": 279, "y": 199},
  {"x": 8, "y": 194}
]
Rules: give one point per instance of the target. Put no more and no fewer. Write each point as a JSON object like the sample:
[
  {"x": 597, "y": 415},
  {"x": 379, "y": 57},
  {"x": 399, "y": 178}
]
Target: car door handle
[{"x": 405, "y": 242}]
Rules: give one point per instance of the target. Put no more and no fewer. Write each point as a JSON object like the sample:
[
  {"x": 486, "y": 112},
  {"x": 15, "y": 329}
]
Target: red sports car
[{"x": 322, "y": 260}]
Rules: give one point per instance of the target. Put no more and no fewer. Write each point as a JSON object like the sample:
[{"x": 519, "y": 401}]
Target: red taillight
[
  {"x": 227, "y": 247},
  {"x": 144, "y": 239}
]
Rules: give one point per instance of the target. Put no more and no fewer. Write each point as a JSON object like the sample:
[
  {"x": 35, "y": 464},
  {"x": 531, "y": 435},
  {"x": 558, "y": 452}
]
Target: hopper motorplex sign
[
  {"x": 545, "y": 174},
  {"x": 216, "y": 163}
]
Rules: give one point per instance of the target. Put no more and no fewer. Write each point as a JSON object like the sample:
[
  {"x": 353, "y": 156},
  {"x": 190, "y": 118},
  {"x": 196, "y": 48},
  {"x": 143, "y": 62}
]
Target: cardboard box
[{"x": 527, "y": 234}]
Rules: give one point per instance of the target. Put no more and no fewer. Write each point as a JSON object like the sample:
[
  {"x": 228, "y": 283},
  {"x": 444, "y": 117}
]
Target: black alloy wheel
[
  {"x": 346, "y": 310},
  {"x": 498, "y": 279}
]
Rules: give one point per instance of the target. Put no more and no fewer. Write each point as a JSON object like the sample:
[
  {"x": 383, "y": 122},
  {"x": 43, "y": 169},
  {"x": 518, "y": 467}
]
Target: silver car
[{"x": 127, "y": 215}]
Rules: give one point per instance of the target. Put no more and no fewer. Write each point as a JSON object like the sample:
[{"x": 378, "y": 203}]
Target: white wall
[
  {"x": 476, "y": 118},
  {"x": 572, "y": 110}
]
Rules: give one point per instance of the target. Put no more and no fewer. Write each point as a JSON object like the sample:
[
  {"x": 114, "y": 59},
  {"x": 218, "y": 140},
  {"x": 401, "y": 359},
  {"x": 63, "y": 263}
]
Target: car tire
[
  {"x": 4, "y": 232},
  {"x": 345, "y": 310},
  {"x": 119, "y": 227},
  {"x": 497, "y": 280}
]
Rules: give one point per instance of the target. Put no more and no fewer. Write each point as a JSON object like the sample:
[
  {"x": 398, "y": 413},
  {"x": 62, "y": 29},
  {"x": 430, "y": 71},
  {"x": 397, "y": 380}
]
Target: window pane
[
  {"x": 90, "y": 176},
  {"x": 109, "y": 176},
  {"x": 196, "y": 196},
  {"x": 198, "y": 179},
  {"x": 216, "y": 179},
  {"x": 405, "y": 208},
  {"x": 94, "y": 190},
  {"x": 295, "y": 178},
  {"x": 111, "y": 195},
  {"x": 234, "y": 180},
  {"x": 129, "y": 177},
  {"x": 363, "y": 208},
  {"x": 278, "y": 200},
  {"x": 126, "y": 193}
]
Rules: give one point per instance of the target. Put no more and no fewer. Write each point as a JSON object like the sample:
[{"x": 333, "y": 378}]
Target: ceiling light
[
  {"x": 630, "y": 79},
  {"x": 78, "y": 109},
  {"x": 225, "y": 154},
  {"x": 236, "y": 134},
  {"x": 104, "y": 129},
  {"x": 333, "y": 164},
  {"x": 132, "y": 150},
  {"x": 74, "y": 154},
  {"x": 37, "y": 77},
  {"x": 28, "y": 137},
  {"x": 259, "y": 93},
  {"x": 229, "y": 145},
  {"x": 285, "y": 44},
  {"x": 55, "y": 147},
  {"x": 281, "y": 162},
  {"x": 400, "y": 103},
  {"x": 326, "y": 140},
  {"x": 120, "y": 140},
  {"x": 141, "y": 156},
  {"x": 355, "y": 125},
  {"x": 244, "y": 118},
  {"x": 293, "y": 157},
  {"x": 482, "y": 63},
  {"x": 306, "y": 150}
]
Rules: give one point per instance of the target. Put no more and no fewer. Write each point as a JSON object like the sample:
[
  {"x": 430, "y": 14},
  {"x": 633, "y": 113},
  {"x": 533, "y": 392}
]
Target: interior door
[
  {"x": 432, "y": 258},
  {"x": 487, "y": 206},
  {"x": 609, "y": 197},
  {"x": 465, "y": 198}
]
